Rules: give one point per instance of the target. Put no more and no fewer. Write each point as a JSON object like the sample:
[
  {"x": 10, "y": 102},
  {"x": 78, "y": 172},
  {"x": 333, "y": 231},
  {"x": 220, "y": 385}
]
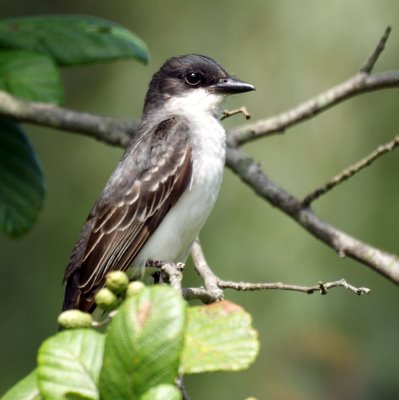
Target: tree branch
[
  {"x": 321, "y": 287},
  {"x": 350, "y": 171},
  {"x": 360, "y": 83},
  {"x": 250, "y": 173},
  {"x": 204, "y": 271},
  {"x": 112, "y": 131},
  {"x": 207, "y": 295}
]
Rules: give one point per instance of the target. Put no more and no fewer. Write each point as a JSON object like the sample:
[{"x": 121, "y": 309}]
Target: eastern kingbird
[{"x": 163, "y": 189}]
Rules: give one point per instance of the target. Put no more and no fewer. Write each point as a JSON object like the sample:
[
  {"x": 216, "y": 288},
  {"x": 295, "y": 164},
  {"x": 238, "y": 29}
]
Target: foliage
[
  {"x": 152, "y": 340},
  {"x": 21, "y": 180},
  {"x": 31, "y": 50}
]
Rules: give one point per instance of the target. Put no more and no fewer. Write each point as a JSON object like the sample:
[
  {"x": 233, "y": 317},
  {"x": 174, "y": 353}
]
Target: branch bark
[
  {"x": 250, "y": 173},
  {"x": 358, "y": 84},
  {"x": 321, "y": 287},
  {"x": 112, "y": 131},
  {"x": 210, "y": 295},
  {"x": 361, "y": 82}
]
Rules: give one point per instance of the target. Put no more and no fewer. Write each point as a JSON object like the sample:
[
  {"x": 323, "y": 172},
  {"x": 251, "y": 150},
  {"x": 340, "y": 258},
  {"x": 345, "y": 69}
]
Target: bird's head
[{"x": 192, "y": 81}]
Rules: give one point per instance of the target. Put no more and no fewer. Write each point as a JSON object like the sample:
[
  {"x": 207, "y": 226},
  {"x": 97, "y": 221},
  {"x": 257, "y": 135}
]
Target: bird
[{"x": 162, "y": 191}]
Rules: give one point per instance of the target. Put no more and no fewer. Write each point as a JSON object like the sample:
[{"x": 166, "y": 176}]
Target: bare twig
[
  {"x": 199, "y": 293},
  {"x": 207, "y": 295},
  {"x": 174, "y": 274},
  {"x": 242, "y": 110},
  {"x": 368, "y": 67},
  {"x": 209, "y": 278},
  {"x": 321, "y": 287},
  {"x": 350, "y": 171},
  {"x": 250, "y": 173},
  {"x": 360, "y": 83}
]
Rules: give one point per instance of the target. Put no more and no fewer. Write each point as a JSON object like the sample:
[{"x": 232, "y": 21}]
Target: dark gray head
[{"x": 180, "y": 76}]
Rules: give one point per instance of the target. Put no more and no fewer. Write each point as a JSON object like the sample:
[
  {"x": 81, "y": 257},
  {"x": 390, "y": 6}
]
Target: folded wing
[{"x": 149, "y": 180}]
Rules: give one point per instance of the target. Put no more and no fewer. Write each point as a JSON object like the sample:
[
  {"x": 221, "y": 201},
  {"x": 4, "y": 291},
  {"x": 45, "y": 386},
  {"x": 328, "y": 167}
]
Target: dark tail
[{"x": 72, "y": 292}]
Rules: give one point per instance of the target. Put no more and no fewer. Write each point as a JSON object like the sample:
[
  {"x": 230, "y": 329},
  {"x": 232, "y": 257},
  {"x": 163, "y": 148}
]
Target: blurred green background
[{"x": 337, "y": 346}]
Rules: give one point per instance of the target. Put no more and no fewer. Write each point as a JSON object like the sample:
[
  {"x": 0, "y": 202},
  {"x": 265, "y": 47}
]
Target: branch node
[
  {"x": 322, "y": 288},
  {"x": 368, "y": 67}
]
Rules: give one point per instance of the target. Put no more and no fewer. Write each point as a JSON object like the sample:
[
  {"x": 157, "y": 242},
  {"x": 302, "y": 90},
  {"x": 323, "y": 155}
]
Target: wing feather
[{"x": 152, "y": 175}]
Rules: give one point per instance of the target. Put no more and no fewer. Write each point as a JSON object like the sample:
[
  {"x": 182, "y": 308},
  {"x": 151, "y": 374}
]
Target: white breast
[{"x": 173, "y": 238}]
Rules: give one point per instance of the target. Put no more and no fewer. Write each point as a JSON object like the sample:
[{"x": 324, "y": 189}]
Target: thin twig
[
  {"x": 350, "y": 171},
  {"x": 208, "y": 297},
  {"x": 242, "y": 110},
  {"x": 360, "y": 83},
  {"x": 212, "y": 281},
  {"x": 201, "y": 266},
  {"x": 250, "y": 173},
  {"x": 368, "y": 67},
  {"x": 321, "y": 287}
]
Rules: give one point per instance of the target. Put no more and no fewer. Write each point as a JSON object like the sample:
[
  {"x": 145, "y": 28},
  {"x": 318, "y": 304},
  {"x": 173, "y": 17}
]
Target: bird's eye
[{"x": 193, "y": 79}]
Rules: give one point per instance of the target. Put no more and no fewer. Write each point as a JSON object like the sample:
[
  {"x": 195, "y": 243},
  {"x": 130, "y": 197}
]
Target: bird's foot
[
  {"x": 155, "y": 263},
  {"x": 158, "y": 276}
]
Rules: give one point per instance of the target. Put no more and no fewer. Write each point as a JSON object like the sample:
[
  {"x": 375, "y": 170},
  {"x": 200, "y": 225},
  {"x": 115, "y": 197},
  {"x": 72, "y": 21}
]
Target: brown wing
[{"x": 152, "y": 175}]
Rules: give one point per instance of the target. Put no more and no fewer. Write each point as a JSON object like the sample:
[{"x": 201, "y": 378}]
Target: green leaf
[
  {"x": 25, "y": 389},
  {"x": 69, "y": 365},
  {"x": 72, "y": 39},
  {"x": 143, "y": 344},
  {"x": 30, "y": 76},
  {"x": 22, "y": 185},
  {"x": 162, "y": 392},
  {"x": 219, "y": 337}
]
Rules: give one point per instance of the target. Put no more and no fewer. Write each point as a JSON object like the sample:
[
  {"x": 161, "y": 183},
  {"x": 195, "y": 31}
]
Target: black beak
[{"x": 231, "y": 86}]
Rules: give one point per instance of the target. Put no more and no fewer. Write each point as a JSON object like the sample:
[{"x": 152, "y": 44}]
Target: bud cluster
[{"x": 117, "y": 287}]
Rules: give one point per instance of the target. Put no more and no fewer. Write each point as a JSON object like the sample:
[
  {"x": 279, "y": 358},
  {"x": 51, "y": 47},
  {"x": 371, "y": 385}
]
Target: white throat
[
  {"x": 173, "y": 238},
  {"x": 196, "y": 101}
]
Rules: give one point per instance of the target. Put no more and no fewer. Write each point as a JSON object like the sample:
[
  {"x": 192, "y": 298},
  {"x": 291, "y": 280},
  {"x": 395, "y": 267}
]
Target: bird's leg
[
  {"x": 158, "y": 276},
  {"x": 155, "y": 263}
]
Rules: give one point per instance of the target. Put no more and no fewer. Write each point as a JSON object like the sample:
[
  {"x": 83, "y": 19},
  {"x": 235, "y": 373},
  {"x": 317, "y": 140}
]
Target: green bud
[
  {"x": 106, "y": 300},
  {"x": 74, "y": 319},
  {"x": 134, "y": 288},
  {"x": 117, "y": 281}
]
